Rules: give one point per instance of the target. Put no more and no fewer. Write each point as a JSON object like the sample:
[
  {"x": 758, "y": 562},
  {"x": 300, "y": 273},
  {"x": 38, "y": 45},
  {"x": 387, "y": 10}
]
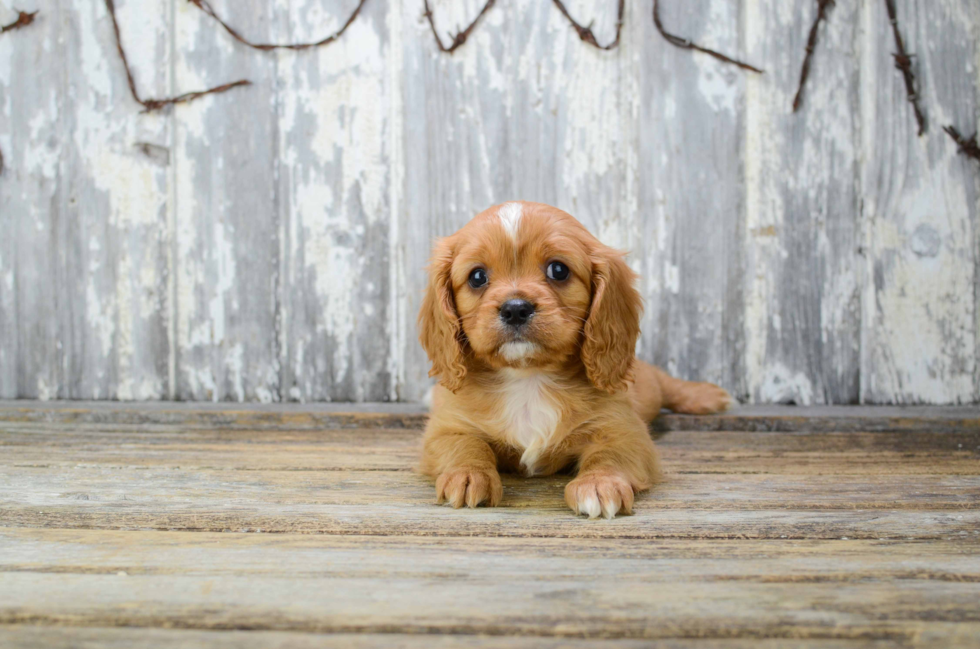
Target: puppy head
[{"x": 525, "y": 285}]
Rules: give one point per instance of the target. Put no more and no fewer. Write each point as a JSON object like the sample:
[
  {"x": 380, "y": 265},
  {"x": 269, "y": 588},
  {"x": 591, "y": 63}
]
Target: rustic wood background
[{"x": 268, "y": 244}]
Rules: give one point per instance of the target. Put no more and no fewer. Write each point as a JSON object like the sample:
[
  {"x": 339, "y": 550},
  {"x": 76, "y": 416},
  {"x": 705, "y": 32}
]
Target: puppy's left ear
[{"x": 609, "y": 347}]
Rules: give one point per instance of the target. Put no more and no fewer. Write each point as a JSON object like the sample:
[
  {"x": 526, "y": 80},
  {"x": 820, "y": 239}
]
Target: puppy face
[
  {"x": 522, "y": 286},
  {"x": 525, "y": 285}
]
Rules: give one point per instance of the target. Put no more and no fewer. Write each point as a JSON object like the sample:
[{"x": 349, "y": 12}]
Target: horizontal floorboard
[
  {"x": 386, "y": 415},
  {"x": 94, "y": 489},
  {"x": 381, "y": 449},
  {"x": 296, "y": 528},
  {"x": 387, "y": 520},
  {"x": 31, "y": 637},
  {"x": 302, "y": 556},
  {"x": 596, "y": 606}
]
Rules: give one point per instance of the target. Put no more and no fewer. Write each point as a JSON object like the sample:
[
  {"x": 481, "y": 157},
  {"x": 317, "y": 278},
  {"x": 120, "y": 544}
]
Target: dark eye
[
  {"x": 478, "y": 278},
  {"x": 557, "y": 271}
]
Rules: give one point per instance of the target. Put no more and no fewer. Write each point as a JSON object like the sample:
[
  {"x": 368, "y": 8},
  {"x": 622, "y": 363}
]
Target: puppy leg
[
  {"x": 654, "y": 389},
  {"x": 613, "y": 466},
  {"x": 464, "y": 467}
]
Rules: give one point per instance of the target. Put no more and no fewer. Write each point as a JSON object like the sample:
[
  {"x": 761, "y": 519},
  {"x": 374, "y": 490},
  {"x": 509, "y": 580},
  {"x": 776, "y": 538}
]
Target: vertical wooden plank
[
  {"x": 976, "y": 222},
  {"x": 31, "y": 204},
  {"x": 691, "y": 112},
  {"x": 524, "y": 110},
  {"x": 334, "y": 177},
  {"x": 802, "y": 322},
  {"x": 568, "y": 136},
  {"x": 453, "y": 107},
  {"x": 107, "y": 239},
  {"x": 921, "y": 208},
  {"x": 226, "y": 212},
  {"x": 398, "y": 299}
]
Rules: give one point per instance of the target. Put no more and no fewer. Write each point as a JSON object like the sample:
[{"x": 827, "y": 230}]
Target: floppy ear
[
  {"x": 439, "y": 329},
  {"x": 609, "y": 346}
]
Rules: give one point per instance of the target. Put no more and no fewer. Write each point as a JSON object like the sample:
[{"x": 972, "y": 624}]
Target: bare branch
[
  {"x": 23, "y": 20},
  {"x": 585, "y": 32},
  {"x": 686, "y": 44},
  {"x": 811, "y": 45},
  {"x": 150, "y": 105},
  {"x": 206, "y": 7},
  {"x": 903, "y": 61},
  {"x": 968, "y": 147},
  {"x": 461, "y": 36}
]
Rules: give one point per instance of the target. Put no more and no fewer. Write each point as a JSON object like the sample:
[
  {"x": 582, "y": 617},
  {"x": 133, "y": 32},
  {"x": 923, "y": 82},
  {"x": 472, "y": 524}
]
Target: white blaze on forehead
[{"x": 510, "y": 217}]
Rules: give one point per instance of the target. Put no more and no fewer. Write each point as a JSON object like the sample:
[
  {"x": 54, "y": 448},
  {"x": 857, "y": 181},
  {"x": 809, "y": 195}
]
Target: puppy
[{"x": 531, "y": 326}]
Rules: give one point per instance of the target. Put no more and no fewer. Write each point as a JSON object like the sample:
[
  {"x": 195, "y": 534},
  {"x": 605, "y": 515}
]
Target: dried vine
[
  {"x": 585, "y": 31},
  {"x": 903, "y": 61},
  {"x": 23, "y": 20},
  {"x": 687, "y": 44},
  {"x": 206, "y": 7},
  {"x": 811, "y": 45},
  {"x": 968, "y": 147},
  {"x": 150, "y": 105},
  {"x": 460, "y": 36}
]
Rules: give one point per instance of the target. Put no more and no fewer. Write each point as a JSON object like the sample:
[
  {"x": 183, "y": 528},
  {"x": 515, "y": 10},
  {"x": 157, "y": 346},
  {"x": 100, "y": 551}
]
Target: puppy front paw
[
  {"x": 469, "y": 486},
  {"x": 595, "y": 494}
]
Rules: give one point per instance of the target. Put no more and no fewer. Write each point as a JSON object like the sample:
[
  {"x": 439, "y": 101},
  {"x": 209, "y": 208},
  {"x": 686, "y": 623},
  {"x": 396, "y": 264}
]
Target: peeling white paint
[
  {"x": 530, "y": 112},
  {"x": 781, "y": 385}
]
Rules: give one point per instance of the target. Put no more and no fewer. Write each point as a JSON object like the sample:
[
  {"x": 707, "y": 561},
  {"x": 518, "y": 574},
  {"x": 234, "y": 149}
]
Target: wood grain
[
  {"x": 33, "y": 203},
  {"x": 803, "y": 285},
  {"x": 211, "y": 533},
  {"x": 334, "y": 169},
  {"x": 690, "y": 123},
  {"x": 226, "y": 216},
  {"x": 224, "y": 582},
  {"x": 269, "y": 244},
  {"x": 921, "y": 209},
  {"x": 29, "y": 637}
]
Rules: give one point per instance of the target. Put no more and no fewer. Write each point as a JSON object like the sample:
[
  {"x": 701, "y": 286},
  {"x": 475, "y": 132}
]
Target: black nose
[{"x": 516, "y": 312}]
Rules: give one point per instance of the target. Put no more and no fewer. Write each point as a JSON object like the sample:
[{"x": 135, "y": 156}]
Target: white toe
[
  {"x": 609, "y": 509},
  {"x": 589, "y": 506}
]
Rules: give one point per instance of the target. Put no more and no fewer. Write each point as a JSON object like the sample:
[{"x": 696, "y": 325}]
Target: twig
[
  {"x": 460, "y": 36},
  {"x": 23, "y": 20},
  {"x": 150, "y": 105},
  {"x": 968, "y": 147},
  {"x": 686, "y": 44},
  {"x": 585, "y": 32},
  {"x": 811, "y": 45},
  {"x": 206, "y": 7},
  {"x": 903, "y": 61}
]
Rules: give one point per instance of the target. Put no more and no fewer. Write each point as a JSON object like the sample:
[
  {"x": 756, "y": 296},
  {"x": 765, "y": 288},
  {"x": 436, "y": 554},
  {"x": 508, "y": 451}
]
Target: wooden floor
[{"x": 179, "y": 526}]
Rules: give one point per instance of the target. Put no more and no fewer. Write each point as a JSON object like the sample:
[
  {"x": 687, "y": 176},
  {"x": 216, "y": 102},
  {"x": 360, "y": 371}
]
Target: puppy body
[{"x": 531, "y": 324}]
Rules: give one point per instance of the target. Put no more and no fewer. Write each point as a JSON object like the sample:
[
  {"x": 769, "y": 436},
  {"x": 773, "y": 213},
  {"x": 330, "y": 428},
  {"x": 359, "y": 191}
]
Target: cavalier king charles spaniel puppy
[{"x": 531, "y": 326}]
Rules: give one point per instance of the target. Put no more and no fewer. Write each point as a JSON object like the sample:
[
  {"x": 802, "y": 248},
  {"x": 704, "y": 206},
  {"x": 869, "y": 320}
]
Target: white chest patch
[
  {"x": 510, "y": 217},
  {"x": 529, "y": 413}
]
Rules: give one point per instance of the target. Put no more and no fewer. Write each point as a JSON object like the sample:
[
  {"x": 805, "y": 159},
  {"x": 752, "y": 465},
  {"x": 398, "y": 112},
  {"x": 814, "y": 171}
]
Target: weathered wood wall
[{"x": 268, "y": 244}]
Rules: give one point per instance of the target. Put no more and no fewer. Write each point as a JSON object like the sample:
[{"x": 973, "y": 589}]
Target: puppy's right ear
[{"x": 439, "y": 328}]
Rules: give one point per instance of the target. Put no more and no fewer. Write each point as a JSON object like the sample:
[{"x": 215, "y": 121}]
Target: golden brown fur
[{"x": 561, "y": 389}]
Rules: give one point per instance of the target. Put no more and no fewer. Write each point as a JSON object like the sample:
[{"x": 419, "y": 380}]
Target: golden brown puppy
[{"x": 531, "y": 325}]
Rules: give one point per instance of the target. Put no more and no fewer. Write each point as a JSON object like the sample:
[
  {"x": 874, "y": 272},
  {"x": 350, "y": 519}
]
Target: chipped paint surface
[{"x": 268, "y": 244}]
